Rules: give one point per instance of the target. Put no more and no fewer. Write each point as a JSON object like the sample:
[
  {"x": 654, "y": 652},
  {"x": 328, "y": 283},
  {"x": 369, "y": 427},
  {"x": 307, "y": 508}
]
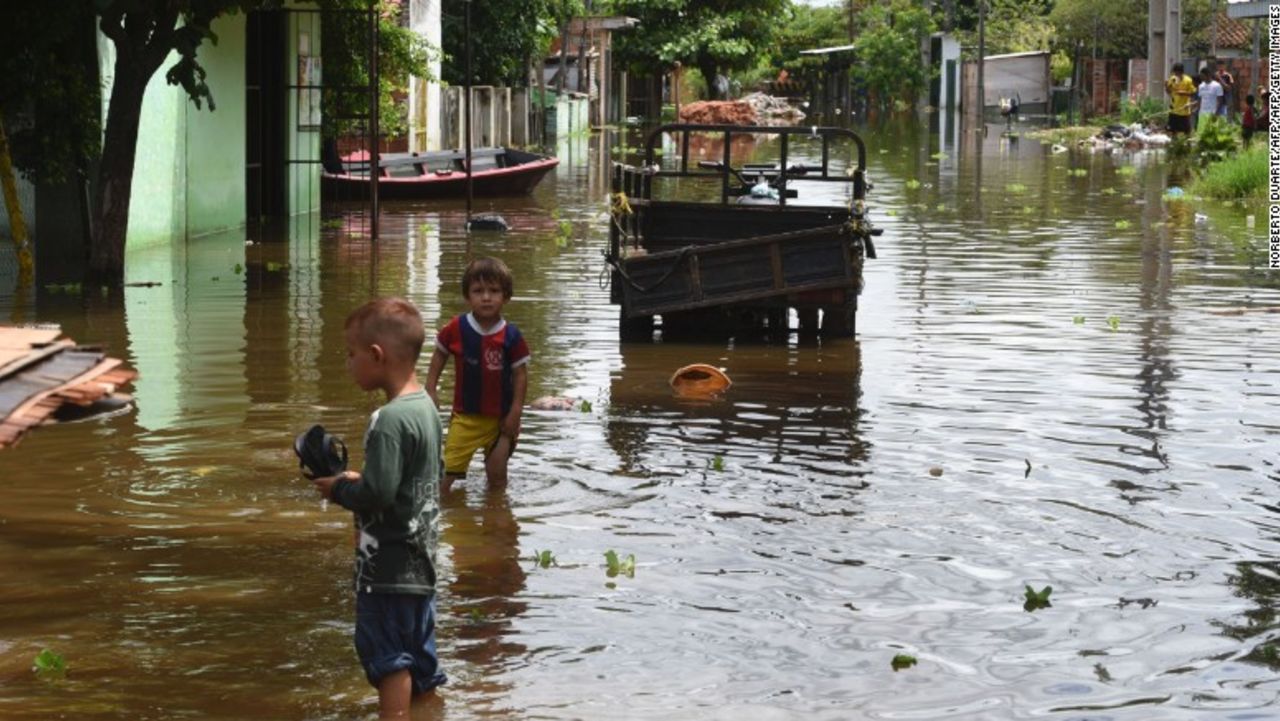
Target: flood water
[{"x": 1047, "y": 340}]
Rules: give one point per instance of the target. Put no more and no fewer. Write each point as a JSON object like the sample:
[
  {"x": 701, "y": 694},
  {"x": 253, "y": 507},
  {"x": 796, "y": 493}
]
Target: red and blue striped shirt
[{"x": 484, "y": 361}]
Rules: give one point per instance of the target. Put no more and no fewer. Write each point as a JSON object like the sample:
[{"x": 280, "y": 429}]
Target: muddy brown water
[{"x": 1047, "y": 340}]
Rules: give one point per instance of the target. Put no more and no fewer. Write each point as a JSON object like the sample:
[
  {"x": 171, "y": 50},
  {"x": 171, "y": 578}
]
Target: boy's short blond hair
[{"x": 393, "y": 323}]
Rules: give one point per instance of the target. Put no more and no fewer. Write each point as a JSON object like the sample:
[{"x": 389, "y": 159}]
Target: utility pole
[{"x": 982, "y": 61}]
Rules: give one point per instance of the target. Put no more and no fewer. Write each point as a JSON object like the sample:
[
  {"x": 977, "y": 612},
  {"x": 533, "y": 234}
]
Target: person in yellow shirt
[{"x": 1181, "y": 89}]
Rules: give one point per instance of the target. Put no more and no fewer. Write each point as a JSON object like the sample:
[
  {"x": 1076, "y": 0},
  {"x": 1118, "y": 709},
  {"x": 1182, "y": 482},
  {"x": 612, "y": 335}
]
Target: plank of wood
[
  {"x": 33, "y": 356},
  {"x": 23, "y": 337}
]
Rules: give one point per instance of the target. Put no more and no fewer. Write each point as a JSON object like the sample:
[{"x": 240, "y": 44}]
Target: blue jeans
[{"x": 396, "y": 631}]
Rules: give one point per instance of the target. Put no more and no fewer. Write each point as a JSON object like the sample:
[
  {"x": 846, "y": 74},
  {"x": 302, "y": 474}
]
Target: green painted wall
[
  {"x": 303, "y": 139},
  {"x": 188, "y": 177},
  {"x": 215, "y": 141}
]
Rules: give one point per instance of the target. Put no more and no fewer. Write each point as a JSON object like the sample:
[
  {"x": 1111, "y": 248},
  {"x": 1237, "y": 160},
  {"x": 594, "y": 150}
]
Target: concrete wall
[
  {"x": 424, "y": 94},
  {"x": 188, "y": 176}
]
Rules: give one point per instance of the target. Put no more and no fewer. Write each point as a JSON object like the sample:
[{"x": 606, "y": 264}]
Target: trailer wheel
[
  {"x": 840, "y": 321},
  {"x": 639, "y": 328}
]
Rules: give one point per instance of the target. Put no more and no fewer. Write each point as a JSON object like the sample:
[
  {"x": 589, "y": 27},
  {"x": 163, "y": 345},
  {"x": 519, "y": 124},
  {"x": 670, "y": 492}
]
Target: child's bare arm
[
  {"x": 438, "y": 359},
  {"x": 519, "y": 386}
]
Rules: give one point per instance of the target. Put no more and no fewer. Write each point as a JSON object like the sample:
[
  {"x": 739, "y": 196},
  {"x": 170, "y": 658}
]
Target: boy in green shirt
[{"x": 396, "y": 501}]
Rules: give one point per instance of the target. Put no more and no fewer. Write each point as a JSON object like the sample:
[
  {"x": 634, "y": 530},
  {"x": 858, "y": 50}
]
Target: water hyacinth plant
[
  {"x": 615, "y": 566},
  {"x": 1036, "y": 600}
]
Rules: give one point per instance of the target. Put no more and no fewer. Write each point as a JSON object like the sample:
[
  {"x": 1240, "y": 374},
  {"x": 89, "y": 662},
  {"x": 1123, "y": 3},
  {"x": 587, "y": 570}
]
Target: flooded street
[{"x": 1050, "y": 341}]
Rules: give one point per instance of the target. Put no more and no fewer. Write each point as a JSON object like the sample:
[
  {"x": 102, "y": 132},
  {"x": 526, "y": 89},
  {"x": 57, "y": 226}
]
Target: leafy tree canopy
[
  {"x": 49, "y": 95},
  {"x": 506, "y": 35},
  {"x": 713, "y": 35},
  {"x": 888, "y": 50},
  {"x": 345, "y": 47},
  {"x": 808, "y": 27}
]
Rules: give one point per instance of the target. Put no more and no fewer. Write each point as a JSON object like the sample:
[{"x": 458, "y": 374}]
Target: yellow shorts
[{"x": 468, "y": 433}]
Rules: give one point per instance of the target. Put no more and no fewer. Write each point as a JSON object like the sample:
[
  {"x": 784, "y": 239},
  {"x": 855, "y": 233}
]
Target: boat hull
[{"x": 514, "y": 180}]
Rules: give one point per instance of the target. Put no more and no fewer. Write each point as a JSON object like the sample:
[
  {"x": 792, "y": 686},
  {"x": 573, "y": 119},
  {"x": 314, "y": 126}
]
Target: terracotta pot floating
[{"x": 700, "y": 380}]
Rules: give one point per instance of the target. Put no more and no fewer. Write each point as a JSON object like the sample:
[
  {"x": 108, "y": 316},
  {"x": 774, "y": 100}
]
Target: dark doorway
[{"x": 265, "y": 47}]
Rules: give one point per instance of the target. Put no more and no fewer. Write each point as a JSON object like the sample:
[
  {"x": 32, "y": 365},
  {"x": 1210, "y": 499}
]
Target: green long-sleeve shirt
[{"x": 397, "y": 499}]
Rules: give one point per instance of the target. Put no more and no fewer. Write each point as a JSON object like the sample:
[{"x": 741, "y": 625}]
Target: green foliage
[
  {"x": 711, "y": 35},
  {"x": 716, "y": 463},
  {"x": 1242, "y": 176},
  {"x": 1215, "y": 138},
  {"x": 506, "y": 35},
  {"x": 619, "y": 566},
  {"x": 585, "y": 406},
  {"x": 1078, "y": 172},
  {"x": 1119, "y": 29},
  {"x": 345, "y": 44},
  {"x": 1014, "y": 26},
  {"x": 1077, "y": 319},
  {"x": 49, "y": 94},
  {"x": 808, "y": 27},
  {"x": 1060, "y": 66},
  {"x": 1123, "y": 224},
  {"x": 902, "y": 661},
  {"x": 1015, "y": 188},
  {"x": 49, "y": 664},
  {"x": 1142, "y": 111},
  {"x": 544, "y": 559},
  {"x": 888, "y": 49},
  {"x": 1037, "y": 599},
  {"x": 1113, "y": 322}
]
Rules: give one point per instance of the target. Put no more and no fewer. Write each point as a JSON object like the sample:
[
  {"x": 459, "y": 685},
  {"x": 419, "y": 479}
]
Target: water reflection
[
  {"x": 483, "y": 599},
  {"x": 175, "y": 545},
  {"x": 792, "y": 409}
]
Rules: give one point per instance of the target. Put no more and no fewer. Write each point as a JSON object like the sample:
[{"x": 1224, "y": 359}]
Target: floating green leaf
[
  {"x": 1123, "y": 224},
  {"x": 941, "y": 208},
  {"x": 49, "y": 663},
  {"x": 716, "y": 463},
  {"x": 1113, "y": 322},
  {"x": 912, "y": 184},
  {"x": 274, "y": 267},
  {"x": 1078, "y": 172},
  {"x": 476, "y": 615},
  {"x": 1077, "y": 319},
  {"x": 939, "y": 156},
  {"x": 1015, "y": 188},
  {"x": 332, "y": 224},
  {"x": 215, "y": 278},
  {"x": 1126, "y": 170},
  {"x": 1108, "y": 191},
  {"x": 544, "y": 559},
  {"x": 585, "y": 406},
  {"x": 615, "y": 565},
  {"x": 238, "y": 269},
  {"x": 1037, "y": 600},
  {"x": 426, "y": 229},
  {"x": 901, "y": 661}
]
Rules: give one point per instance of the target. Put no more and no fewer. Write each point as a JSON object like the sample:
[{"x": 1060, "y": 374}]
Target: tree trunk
[
  {"x": 17, "y": 223},
  {"x": 115, "y": 175},
  {"x": 708, "y": 71}
]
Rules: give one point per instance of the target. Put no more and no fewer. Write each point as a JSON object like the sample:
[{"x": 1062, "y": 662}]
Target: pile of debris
[
  {"x": 1132, "y": 137},
  {"x": 46, "y": 379},
  {"x": 772, "y": 110},
  {"x": 753, "y": 109},
  {"x": 719, "y": 112}
]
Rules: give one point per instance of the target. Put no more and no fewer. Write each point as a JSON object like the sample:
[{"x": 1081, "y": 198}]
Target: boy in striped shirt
[{"x": 490, "y": 359}]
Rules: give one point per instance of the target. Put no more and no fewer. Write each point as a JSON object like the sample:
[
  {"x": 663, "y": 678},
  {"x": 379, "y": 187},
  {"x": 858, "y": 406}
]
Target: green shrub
[
  {"x": 1241, "y": 176},
  {"x": 1215, "y": 139},
  {"x": 1140, "y": 112}
]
